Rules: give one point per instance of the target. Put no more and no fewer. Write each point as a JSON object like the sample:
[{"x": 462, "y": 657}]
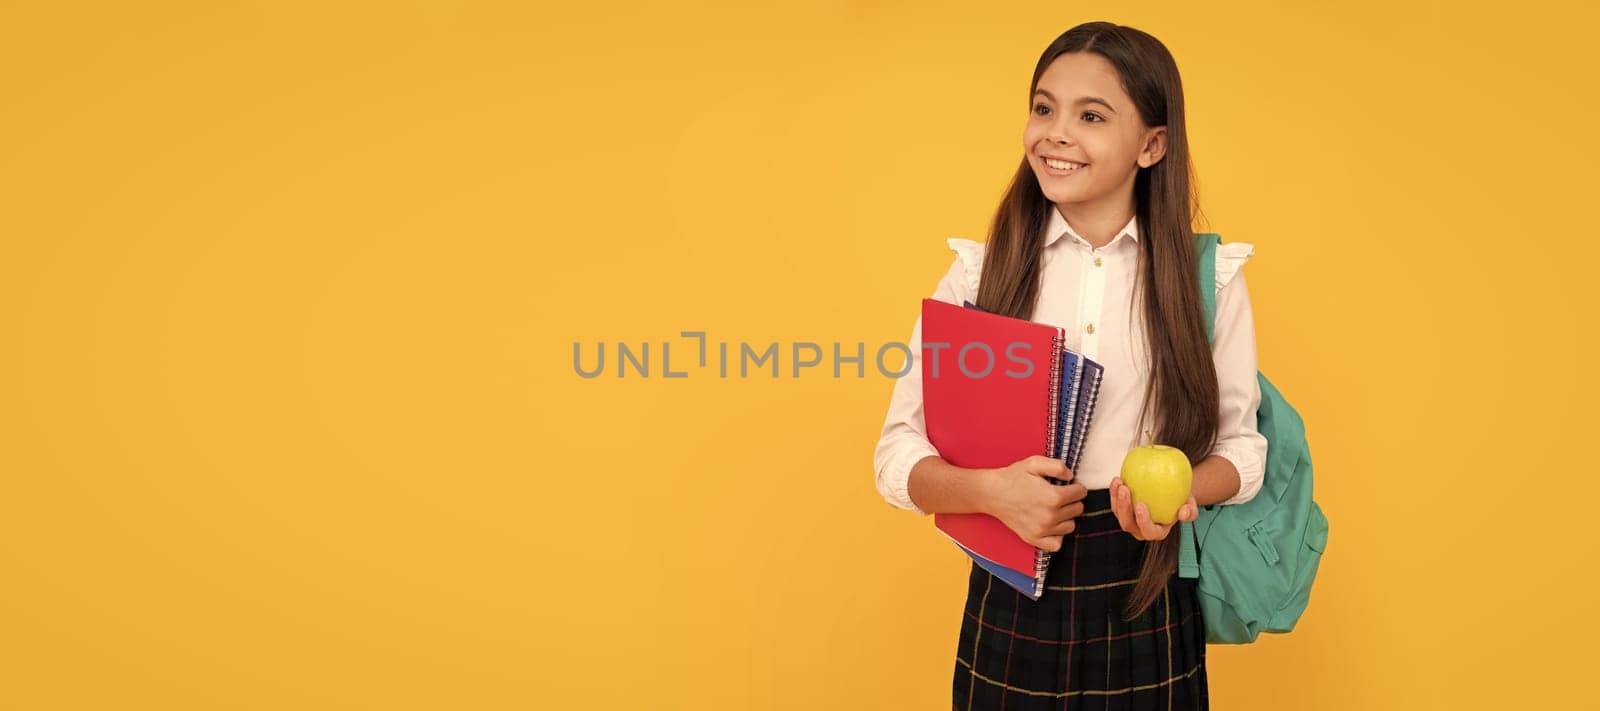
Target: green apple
[{"x": 1160, "y": 476}]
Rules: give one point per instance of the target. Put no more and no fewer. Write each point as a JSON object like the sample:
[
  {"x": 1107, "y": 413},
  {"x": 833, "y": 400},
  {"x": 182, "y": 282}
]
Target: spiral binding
[
  {"x": 1073, "y": 416},
  {"x": 1041, "y": 566},
  {"x": 1056, "y": 358},
  {"x": 1088, "y": 411},
  {"x": 1041, "y": 559}
]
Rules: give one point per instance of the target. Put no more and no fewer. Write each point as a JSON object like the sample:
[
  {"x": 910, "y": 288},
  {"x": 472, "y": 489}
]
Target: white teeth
[{"x": 1062, "y": 165}]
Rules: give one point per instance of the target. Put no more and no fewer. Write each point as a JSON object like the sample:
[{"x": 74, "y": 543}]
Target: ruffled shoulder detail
[
  {"x": 1230, "y": 257},
  {"x": 971, "y": 255}
]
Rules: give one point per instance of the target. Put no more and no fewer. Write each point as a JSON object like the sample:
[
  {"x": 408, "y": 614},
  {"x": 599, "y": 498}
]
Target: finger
[
  {"x": 1070, "y": 511},
  {"x": 1051, "y": 543},
  {"x": 1130, "y": 511},
  {"x": 1193, "y": 509},
  {"x": 1151, "y": 530},
  {"x": 1122, "y": 506},
  {"x": 1062, "y": 528},
  {"x": 1047, "y": 467},
  {"x": 1072, "y": 493},
  {"x": 1122, "y": 498}
]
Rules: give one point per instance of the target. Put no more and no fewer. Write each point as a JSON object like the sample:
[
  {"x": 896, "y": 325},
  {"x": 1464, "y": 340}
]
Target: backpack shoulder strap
[{"x": 1206, "y": 257}]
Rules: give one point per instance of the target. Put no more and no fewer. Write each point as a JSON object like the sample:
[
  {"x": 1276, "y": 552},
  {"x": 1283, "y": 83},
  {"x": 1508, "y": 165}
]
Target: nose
[
  {"x": 1058, "y": 135},
  {"x": 1059, "y": 123}
]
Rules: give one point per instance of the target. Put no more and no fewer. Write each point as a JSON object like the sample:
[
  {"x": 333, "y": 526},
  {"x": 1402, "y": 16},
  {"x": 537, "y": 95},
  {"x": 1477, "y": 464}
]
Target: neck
[{"x": 1097, "y": 225}]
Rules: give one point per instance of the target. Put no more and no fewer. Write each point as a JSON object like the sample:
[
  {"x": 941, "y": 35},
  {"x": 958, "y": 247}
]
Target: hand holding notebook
[
  {"x": 1038, "y": 511},
  {"x": 1034, "y": 508}
]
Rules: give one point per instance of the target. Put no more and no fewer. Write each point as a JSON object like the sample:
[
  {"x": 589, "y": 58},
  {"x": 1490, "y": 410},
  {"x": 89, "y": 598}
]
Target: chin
[
  {"x": 1060, "y": 196},
  {"x": 1054, "y": 192}
]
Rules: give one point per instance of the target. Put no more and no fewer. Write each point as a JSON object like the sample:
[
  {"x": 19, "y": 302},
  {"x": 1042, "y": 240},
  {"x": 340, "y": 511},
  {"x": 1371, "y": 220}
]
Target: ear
[{"x": 1155, "y": 146}]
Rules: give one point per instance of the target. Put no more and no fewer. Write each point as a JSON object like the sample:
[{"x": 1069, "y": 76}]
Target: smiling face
[{"x": 1080, "y": 115}]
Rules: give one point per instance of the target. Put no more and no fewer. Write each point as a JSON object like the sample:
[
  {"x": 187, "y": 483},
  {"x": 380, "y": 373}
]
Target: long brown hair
[{"x": 1183, "y": 379}]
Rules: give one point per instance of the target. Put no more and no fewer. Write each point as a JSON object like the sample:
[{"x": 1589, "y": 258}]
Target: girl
[{"x": 1094, "y": 235}]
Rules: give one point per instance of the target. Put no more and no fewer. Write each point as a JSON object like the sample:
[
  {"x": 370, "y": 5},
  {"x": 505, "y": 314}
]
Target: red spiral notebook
[{"x": 995, "y": 390}]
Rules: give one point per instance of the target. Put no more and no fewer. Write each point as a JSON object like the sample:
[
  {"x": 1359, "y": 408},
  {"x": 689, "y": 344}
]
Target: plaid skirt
[{"x": 1071, "y": 649}]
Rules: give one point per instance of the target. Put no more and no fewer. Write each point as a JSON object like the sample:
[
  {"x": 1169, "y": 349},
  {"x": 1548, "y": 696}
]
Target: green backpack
[{"x": 1256, "y": 560}]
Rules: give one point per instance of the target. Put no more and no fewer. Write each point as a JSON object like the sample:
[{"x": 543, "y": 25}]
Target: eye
[
  {"x": 1097, "y": 116},
  {"x": 1036, "y": 108}
]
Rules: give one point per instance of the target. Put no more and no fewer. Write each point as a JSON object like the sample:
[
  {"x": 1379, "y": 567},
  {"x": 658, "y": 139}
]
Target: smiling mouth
[{"x": 1062, "y": 167}]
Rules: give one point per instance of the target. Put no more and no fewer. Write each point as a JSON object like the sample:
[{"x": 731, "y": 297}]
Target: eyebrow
[{"x": 1081, "y": 101}]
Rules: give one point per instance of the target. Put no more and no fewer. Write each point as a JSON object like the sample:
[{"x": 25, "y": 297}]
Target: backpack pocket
[{"x": 1316, "y": 540}]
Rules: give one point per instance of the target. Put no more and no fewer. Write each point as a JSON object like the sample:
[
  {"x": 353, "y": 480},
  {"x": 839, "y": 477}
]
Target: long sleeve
[
  {"x": 904, "y": 438},
  {"x": 1234, "y": 351}
]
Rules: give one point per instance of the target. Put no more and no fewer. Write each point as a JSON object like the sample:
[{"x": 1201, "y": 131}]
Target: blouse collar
[{"x": 1059, "y": 228}]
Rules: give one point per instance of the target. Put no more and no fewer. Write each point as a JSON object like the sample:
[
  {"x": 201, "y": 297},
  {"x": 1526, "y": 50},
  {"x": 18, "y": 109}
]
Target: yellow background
[{"x": 289, "y": 295}]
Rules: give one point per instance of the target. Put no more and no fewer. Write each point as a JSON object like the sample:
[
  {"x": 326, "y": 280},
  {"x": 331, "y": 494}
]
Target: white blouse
[{"x": 1089, "y": 292}]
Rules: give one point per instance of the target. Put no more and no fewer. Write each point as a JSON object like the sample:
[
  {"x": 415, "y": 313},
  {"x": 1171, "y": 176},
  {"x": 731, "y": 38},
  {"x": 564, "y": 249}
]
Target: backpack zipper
[{"x": 1262, "y": 544}]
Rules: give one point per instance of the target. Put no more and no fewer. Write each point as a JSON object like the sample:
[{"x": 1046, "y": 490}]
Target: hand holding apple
[
  {"x": 1153, "y": 492},
  {"x": 1135, "y": 517}
]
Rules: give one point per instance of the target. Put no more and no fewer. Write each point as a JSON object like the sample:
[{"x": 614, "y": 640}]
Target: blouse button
[
  {"x": 1097, "y": 261},
  {"x": 1089, "y": 328}
]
